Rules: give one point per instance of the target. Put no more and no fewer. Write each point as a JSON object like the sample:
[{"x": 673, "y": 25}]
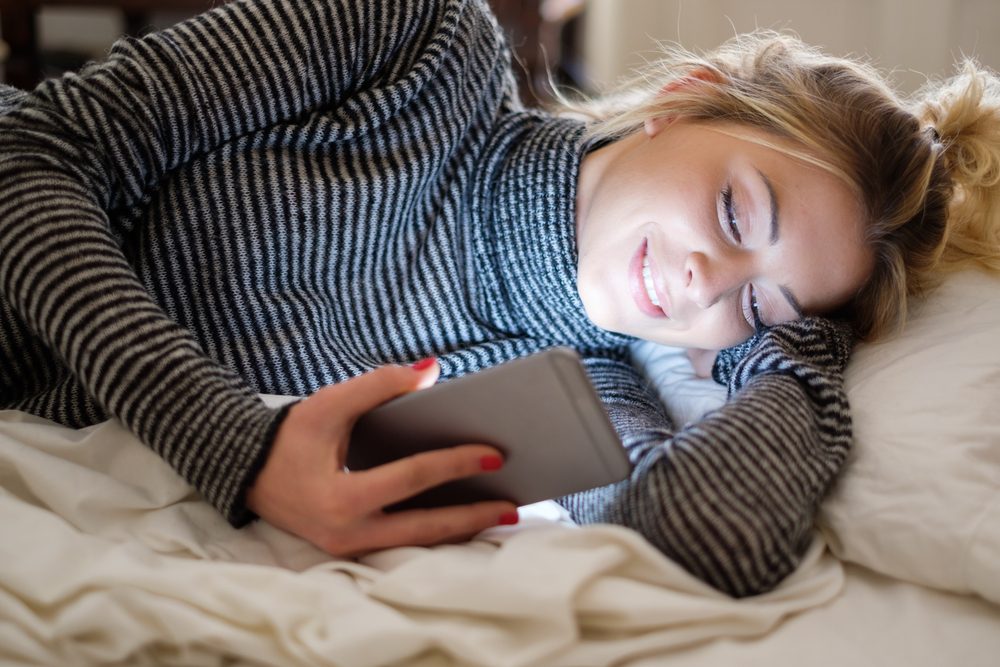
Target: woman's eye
[
  {"x": 730, "y": 214},
  {"x": 751, "y": 310}
]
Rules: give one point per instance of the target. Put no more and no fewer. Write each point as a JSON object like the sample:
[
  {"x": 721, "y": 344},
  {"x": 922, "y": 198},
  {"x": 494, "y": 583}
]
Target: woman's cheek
[{"x": 727, "y": 329}]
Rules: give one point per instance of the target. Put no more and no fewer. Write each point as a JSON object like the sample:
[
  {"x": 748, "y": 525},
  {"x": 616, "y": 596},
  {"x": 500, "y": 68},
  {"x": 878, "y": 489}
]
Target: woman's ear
[{"x": 654, "y": 126}]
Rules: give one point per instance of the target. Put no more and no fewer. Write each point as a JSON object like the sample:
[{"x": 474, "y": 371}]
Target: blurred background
[{"x": 586, "y": 44}]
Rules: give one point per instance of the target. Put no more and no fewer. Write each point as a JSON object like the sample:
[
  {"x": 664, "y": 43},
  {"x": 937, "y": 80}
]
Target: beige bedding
[{"x": 108, "y": 557}]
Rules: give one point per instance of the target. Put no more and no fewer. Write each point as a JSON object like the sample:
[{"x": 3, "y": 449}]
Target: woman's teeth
[{"x": 647, "y": 277}]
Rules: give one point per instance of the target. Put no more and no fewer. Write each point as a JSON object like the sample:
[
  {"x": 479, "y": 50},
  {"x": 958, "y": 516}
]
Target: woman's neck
[{"x": 522, "y": 232}]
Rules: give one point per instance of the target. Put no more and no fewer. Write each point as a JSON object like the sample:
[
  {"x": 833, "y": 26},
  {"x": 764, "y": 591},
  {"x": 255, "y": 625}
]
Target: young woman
[{"x": 303, "y": 198}]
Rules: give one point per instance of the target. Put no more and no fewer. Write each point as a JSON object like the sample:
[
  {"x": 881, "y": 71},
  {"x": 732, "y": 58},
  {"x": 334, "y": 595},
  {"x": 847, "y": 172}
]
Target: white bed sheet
[
  {"x": 876, "y": 621},
  {"x": 108, "y": 557},
  {"x": 919, "y": 498}
]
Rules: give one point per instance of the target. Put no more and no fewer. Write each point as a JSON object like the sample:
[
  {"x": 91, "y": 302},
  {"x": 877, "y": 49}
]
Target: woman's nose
[{"x": 708, "y": 280}]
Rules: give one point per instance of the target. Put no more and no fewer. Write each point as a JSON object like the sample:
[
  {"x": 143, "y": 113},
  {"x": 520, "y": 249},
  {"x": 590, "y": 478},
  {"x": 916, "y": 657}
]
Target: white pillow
[
  {"x": 920, "y": 497},
  {"x": 686, "y": 396}
]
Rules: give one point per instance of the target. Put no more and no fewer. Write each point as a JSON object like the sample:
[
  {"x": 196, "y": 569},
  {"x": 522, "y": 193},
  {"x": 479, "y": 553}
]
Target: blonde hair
[{"x": 925, "y": 169}]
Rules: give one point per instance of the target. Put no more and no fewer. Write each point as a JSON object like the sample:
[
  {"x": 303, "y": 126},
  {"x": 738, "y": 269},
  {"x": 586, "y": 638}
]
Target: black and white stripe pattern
[
  {"x": 279, "y": 195},
  {"x": 732, "y": 498}
]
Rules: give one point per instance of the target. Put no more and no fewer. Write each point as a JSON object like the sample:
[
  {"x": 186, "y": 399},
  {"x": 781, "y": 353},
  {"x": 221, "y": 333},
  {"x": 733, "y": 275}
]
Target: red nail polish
[
  {"x": 508, "y": 519},
  {"x": 423, "y": 364},
  {"x": 491, "y": 462}
]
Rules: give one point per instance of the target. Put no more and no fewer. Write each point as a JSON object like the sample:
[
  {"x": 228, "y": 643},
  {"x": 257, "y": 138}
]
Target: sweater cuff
[
  {"x": 235, "y": 508},
  {"x": 801, "y": 348},
  {"x": 213, "y": 433},
  {"x": 812, "y": 349},
  {"x": 728, "y": 359}
]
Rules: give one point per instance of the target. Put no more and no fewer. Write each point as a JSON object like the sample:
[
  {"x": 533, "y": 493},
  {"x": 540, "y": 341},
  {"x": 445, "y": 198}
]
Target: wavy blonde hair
[{"x": 925, "y": 168}]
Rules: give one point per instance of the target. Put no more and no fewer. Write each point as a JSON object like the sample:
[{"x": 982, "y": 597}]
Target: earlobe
[{"x": 654, "y": 126}]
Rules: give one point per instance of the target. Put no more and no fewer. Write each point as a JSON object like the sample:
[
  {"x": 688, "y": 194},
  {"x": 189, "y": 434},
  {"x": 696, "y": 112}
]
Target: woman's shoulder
[{"x": 10, "y": 97}]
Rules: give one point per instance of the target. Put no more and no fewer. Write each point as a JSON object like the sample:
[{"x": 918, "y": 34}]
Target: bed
[{"x": 108, "y": 557}]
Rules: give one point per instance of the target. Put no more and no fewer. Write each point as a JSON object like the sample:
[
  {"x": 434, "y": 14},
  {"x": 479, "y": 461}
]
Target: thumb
[{"x": 362, "y": 393}]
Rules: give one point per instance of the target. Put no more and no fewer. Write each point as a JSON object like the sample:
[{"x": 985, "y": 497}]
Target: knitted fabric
[{"x": 276, "y": 196}]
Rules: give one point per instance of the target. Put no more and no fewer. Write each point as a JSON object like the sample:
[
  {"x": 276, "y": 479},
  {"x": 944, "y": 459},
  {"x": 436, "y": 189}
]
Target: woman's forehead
[{"x": 823, "y": 235}]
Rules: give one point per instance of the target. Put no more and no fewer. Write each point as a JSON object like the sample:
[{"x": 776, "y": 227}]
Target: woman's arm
[
  {"x": 732, "y": 498},
  {"x": 118, "y": 127},
  {"x": 79, "y": 146}
]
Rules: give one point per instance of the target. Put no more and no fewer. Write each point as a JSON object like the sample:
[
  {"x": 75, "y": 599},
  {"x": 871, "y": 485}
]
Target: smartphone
[{"x": 541, "y": 411}]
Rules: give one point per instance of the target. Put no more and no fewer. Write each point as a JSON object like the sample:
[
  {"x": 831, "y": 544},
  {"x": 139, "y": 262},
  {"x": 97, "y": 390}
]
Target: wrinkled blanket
[{"x": 108, "y": 556}]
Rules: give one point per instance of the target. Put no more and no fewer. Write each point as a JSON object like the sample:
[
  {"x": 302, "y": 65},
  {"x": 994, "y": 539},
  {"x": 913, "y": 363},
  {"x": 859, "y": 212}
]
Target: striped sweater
[{"x": 279, "y": 195}]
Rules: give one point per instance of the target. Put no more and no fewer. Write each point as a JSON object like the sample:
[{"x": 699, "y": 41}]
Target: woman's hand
[{"x": 304, "y": 488}]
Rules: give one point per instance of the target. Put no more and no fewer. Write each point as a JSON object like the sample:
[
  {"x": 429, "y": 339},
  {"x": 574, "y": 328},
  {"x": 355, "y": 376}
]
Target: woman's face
[{"x": 686, "y": 234}]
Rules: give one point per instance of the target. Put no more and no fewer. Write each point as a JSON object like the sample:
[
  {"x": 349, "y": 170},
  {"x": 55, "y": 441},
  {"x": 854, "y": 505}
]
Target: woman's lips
[{"x": 637, "y": 286}]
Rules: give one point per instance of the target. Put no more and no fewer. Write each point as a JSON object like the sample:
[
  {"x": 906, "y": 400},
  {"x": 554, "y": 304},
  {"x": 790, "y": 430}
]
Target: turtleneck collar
[{"x": 523, "y": 232}]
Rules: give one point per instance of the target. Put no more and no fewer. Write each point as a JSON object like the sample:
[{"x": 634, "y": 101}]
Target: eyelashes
[
  {"x": 748, "y": 302},
  {"x": 751, "y": 311},
  {"x": 727, "y": 207}
]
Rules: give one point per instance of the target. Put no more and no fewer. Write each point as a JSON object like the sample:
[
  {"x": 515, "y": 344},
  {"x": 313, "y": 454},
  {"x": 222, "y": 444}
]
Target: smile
[
  {"x": 647, "y": 278},
  {"x": 642, "y": 285}
]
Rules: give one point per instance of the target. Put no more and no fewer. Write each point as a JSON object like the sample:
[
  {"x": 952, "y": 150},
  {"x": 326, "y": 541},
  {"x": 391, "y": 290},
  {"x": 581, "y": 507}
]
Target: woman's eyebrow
[
  {"x": 775, "y": 229},
  {"x": 792, "y": 301},
  {"x": 775, "y": 235}
]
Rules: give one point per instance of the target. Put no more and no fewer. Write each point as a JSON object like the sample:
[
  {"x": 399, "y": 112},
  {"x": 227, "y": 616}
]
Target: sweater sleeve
[
  {"x": 89, "y": 143},
  {"x": 732, "y": 498}
]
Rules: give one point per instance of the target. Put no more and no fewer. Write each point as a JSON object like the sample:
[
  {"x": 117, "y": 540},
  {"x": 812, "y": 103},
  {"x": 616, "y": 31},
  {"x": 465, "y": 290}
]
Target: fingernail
[
  {"x": 491, "y": 462},
  {"x": 508, "y": 519},
  {"x": 423, "y": 364}
]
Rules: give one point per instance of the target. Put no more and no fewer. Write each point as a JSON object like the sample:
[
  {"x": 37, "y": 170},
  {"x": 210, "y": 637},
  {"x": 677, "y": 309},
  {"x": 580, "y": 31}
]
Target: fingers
[
  {"x": 364, "y": 392},
  {"x": 392, "y": 482},
  {"x": 335, "y": 407},
  {"x": 432, "y": 526},
  {"x": 345, "y": 515}
]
